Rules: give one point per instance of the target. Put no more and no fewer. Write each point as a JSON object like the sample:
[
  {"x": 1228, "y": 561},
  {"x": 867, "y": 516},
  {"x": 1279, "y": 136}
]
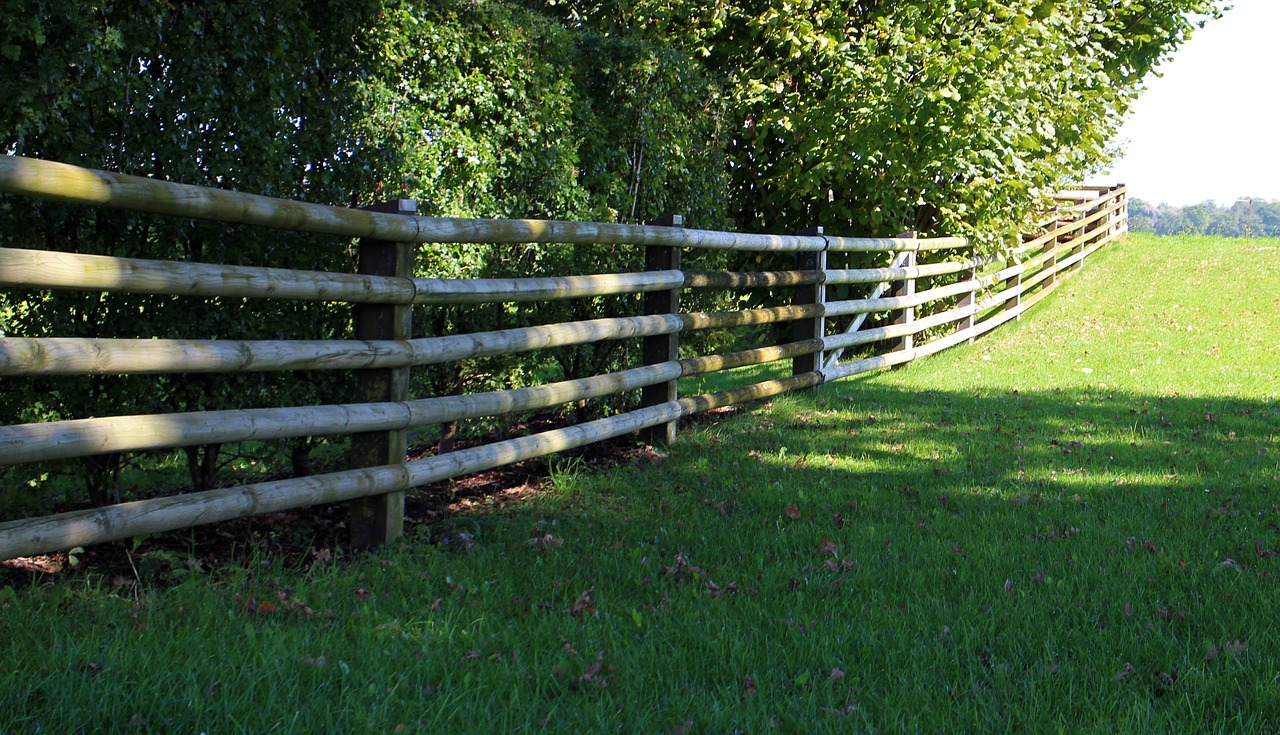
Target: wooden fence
[{"x": 981, "y": 293}]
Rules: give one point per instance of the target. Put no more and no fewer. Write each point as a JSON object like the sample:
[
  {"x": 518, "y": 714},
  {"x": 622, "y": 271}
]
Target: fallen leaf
[
  {"x": 546, "y": 541},
  {"x": 361, "y": 593},
  {"x": 594, "y": 673},
  {"x": 836, "y": 675},
  {"x": 584, "y": 605},
  {"x": 255, "y": 607},
  {"x": 1126, "y": 672},
  {"x": 793, "y": 511},
  {"x": 715, "y": 590},
  {"x": 1164, "y": 681},
  {"x": 748, "y": 687},
  {"x": 92, "y": 668},
  {"x": 829, "y": 548}
]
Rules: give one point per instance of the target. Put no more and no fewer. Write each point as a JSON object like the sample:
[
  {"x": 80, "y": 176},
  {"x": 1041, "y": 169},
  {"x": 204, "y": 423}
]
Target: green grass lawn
[{"x": 1071, "y": 525}]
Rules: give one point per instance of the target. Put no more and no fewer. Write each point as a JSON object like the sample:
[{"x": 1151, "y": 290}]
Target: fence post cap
[
  {"x": 394, "y": 206},
  {"x": 668, "y": 220}
]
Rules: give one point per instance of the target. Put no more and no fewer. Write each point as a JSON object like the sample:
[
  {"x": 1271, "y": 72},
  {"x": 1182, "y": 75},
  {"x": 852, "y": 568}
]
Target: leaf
[
  {"x": 92, "y": 668},
  {"x": 793, "y": 511},
  {"x": 546, "y": 541},
  {"x": 836, "y": 675},
  {"x": 748, "y": 687},
  {"x": 595, "y": 673},
  {"x": 1125, "y": 672},
  {"x": 584, "y": 605}
]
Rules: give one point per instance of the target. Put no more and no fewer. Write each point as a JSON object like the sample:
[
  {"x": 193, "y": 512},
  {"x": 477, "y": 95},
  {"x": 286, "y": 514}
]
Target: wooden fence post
[
  {"x": 803, "y": 330},
  {"x": 967, "y": 300},
  {"x": 1113, "y": 220},
  {"x": 663, "y": 347},
  {"x": 379, "y": 519},
  {"x": 1088, "y": 233},
  {"x": 906, "y": 287},
  {"x": 1122, "y": 214}
]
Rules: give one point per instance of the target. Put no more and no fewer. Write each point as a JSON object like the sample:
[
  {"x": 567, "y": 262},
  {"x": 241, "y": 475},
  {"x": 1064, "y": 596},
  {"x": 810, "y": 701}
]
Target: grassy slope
[{"x": 1067, "y": 526}]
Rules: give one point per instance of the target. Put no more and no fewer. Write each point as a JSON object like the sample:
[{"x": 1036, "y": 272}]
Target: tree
[{"x": 869, "y": 117}]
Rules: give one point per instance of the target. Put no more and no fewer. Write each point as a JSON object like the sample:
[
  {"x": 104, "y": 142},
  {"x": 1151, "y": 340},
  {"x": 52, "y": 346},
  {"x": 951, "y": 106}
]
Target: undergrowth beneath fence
[{"x": 1071, "y": 525}]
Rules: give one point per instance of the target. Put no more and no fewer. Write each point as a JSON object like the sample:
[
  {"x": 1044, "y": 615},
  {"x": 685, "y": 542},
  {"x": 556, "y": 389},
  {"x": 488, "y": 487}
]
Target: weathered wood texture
[
  {"x": 66, "y": 183},
  {"x": 85, "y": 437},
  {"x": 662, "y": 348},
  {"x": 988, "y": 293},
  {"x": 815, "y": 293},
  {"x": 379, "y": 519}
]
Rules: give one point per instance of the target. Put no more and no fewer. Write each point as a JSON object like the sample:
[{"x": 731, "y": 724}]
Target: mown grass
[{"x": 1071, "y": 525}]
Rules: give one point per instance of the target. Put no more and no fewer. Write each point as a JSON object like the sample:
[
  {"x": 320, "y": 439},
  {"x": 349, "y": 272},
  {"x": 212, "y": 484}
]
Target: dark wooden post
[
  {"x": 663, "y": 347},
  {"x": 379, "y": 519},
  {"x": 803, "y": 330},
  {"x": 906, "y": 287}
]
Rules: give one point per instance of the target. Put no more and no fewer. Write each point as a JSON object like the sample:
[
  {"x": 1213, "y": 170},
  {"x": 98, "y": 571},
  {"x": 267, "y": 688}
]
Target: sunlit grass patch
[{"x": 990, "y": 539}]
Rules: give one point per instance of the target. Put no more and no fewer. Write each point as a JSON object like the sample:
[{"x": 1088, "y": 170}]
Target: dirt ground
[{"x": 303, "y": 536}]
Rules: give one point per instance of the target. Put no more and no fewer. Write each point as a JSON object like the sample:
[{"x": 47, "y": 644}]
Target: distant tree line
[{"x": 1247, "y": 217}]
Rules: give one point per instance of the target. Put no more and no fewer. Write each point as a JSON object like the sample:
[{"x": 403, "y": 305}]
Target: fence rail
[{"x": 979, "y": 294}]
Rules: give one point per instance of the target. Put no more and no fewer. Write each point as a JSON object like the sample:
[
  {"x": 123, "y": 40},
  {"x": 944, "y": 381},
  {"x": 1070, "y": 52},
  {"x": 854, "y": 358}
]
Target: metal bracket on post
[
  {"x": 803, "y": 330},
  {"x": 907, "y": 287},
  {"x": 379, "y": 519},
  {"x": 663, "y": 347}
]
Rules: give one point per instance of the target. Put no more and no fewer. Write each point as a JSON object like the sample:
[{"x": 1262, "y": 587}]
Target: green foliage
[
  {"x": 216, "y": 94},
  {"x": 475, "y": 109},
  {"x": 872, "y": 118},
  {"x": 865, "y": 117},
  {"x": 1247, "y": 217}
]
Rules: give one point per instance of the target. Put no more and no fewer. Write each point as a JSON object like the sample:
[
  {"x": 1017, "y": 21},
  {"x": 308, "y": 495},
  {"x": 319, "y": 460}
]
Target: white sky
[{"x": 1209, "y": 128}]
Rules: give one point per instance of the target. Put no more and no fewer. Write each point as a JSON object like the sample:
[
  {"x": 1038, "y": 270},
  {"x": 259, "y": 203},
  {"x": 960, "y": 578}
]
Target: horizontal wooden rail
[
  {"x": 127, "y": 520},
  {"x": 891, "y": 303},
  {"x": 768, "y": 279},
  {"x": 87, "y": 356},
  {"x": 72, "y": 184},
  {"x": 85, "y": 437},
  {"x": 972, "y": 295},
  {"x": 23, "y": 268}
]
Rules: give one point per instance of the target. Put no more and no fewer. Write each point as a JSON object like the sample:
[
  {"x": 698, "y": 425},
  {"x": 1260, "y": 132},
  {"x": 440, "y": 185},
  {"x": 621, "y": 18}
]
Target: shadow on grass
[{"x": 859, "y": 558}]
